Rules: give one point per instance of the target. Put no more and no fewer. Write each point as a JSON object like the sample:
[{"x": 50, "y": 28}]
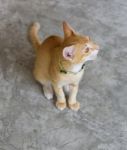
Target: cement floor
[{"x": 30, "y": 122}]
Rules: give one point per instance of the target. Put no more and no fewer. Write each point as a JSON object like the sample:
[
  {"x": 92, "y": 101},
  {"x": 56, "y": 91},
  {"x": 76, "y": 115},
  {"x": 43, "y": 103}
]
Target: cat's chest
[
  {"x": 70, "y": 78},
  {"x": 76, "y": 68}
]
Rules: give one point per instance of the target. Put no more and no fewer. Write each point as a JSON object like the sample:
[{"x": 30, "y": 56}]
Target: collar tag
[{"x": 63, "y": 71}]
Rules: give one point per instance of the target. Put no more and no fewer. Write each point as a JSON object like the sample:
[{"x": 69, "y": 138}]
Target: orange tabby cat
[{"x": 60, "y": 63}]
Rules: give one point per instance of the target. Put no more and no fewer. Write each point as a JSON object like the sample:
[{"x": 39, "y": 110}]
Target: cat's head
[{"x": 78, "y": 48}]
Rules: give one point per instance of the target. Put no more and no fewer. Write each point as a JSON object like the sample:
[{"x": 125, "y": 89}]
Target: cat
[{"x": 60, "y": 63}]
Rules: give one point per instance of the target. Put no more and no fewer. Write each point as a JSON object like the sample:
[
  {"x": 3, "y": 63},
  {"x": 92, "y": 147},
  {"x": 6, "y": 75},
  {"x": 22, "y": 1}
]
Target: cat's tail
[{"x": 33, "y": 34}]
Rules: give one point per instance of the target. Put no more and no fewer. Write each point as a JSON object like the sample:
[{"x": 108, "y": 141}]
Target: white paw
[
  {"x": 48, "y": 92},
  {"x": 48, "y": 95}
]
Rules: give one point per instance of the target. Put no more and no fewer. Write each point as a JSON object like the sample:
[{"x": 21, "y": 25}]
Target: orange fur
[{"x": 49, "y": 55}]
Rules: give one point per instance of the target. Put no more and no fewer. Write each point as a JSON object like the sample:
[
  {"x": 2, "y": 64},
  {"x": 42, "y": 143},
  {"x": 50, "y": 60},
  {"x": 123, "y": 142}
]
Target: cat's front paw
[
  {"x": 74, "y": 106},
  {"x": 60, "y": 105}
]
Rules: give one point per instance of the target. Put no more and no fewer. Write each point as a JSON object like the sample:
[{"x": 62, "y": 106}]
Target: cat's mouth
[
  {"x": 95, "y": 53},
  {"x": 92, "y": 56}
]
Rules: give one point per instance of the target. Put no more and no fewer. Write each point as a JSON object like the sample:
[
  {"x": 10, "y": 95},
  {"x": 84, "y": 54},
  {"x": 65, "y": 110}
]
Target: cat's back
[
  {"x": 46, "y": 49},
  {"x": 51, "y": 42},
  {"x": 47, "y": 46},
  {"x": 43, "y": 56}
]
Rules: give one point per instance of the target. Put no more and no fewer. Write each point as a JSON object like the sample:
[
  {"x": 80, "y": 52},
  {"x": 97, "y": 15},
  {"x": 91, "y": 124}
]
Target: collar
[{"x": 62, "y": 70}]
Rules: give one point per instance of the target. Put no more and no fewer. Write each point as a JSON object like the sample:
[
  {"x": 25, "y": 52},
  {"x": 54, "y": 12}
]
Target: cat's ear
[
  {"x": 68, "y": 52},
  {"x": 68, "y": 30}
]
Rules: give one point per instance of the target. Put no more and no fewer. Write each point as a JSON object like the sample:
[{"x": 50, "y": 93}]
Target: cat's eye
[{"x": 87, "y": 49}]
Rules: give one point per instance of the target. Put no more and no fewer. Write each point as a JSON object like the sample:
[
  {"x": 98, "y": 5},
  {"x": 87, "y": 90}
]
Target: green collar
[{"x": 62, "y": 70}]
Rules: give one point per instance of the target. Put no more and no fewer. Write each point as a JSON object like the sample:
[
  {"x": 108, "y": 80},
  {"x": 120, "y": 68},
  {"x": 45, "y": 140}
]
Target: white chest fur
[
  {"x": 76, "y": 68},
  {"x": 70, "y": 78}
]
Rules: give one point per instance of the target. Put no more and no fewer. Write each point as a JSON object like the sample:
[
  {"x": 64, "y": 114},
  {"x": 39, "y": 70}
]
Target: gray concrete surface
[{"x": 30, "y": 122}]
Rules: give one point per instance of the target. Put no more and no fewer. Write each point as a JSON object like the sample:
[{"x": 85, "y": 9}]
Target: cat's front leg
[
  {"x": 72, "y": 102},
  {"x": 61, "y": 101}
]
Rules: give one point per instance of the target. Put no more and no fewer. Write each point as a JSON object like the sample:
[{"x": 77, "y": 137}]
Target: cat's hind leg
[
  {"x": 47, "y": 88},
  {"x": 48, "y": 91}
]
